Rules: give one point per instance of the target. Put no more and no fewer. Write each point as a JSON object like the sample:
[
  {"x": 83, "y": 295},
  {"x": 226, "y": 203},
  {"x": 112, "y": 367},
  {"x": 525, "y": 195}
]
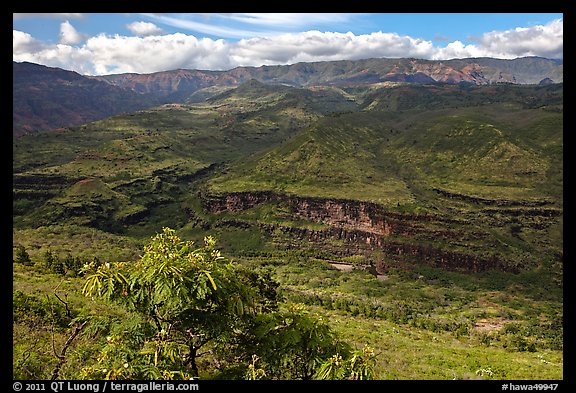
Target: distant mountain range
[
  {"x": 478, "y": 71},
  {"x": 46, "y": 98}
]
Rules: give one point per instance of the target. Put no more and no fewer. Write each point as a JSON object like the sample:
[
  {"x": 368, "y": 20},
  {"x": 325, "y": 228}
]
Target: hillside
[
  {"x": 475, "y": 171},
  {"x": 45, "y": 98},
  {"x": 145, "y": 158},
  {"x": 482, "y": 162}
]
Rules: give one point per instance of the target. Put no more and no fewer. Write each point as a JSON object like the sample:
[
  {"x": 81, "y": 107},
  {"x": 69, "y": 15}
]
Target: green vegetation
[
  {"x": 388, "y": 232},
  {"x": 489, "y": 326},
  {"x": 181, "y": 300}
]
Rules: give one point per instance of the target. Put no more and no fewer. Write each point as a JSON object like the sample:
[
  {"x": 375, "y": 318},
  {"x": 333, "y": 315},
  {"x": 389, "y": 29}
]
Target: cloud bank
[{"x": 151, "y": 51}]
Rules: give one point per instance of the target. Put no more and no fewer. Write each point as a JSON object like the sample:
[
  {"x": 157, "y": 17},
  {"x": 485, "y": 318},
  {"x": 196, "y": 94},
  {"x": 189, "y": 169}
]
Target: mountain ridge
[
  {"x": 47, "y": 98},
  {"x": 479, "y": 71}
]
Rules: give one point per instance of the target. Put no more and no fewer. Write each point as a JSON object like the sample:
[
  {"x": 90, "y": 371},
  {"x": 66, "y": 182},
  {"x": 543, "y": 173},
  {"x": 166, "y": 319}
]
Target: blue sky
[{"x": 137, "y": 42}]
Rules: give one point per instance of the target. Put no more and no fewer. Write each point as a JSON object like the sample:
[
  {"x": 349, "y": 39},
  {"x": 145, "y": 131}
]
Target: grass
[
  {"x": 327, "y": 160},
  {"x": 138, "y": 160},
  {"x": 36, "y": 336},
  {"x": 425, "y": 310},
  {"x": 402, "y": 161},
  {"x": 78, "y": 241},
  {"x": 379, "y": 156},
  {"x": 408, "y": 353}
]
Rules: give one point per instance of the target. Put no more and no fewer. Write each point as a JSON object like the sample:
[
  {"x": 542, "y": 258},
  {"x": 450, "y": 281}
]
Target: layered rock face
[
  {"x": 364, "y": 226},
  {"x": 238, "y": 201}
]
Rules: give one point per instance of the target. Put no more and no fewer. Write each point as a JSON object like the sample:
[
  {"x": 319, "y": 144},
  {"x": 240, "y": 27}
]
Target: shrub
[{"x": 22, "y": 256}]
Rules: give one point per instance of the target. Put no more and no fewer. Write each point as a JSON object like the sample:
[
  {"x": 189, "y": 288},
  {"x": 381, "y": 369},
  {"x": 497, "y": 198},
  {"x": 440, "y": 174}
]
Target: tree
[
  {"x": 294, "y": 344},
  {"x": 72, "y": 265},
  {"x": 187, "y": 298},
  {"x": 189, "y": 302},
  {"x": 49, "y": 259},
  {"x": 22, "y": 256}
]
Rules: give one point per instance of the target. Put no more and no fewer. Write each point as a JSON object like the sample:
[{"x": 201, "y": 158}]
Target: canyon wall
[{"x": 364, "y": 226}]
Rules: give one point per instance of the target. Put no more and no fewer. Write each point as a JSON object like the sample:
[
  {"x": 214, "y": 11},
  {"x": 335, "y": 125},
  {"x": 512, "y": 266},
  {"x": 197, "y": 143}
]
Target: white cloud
[
  {"x": 144, "y": 28},
  {"x": 540, "y": 40},
  {"x": 120, "y": 54},
  {"x": 69, "y": 35},
  {"x": 319, "y": 46},
  {"x": 202, "y": 27},
  {"x": 249, "y": 25},
  {"x": 23, "y": 44},
  {"x": 291, "y": 20},
  {"x": 104, "y": 54}
]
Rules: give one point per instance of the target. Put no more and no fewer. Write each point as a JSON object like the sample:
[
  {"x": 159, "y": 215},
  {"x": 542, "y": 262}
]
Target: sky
[{"x": 113, "y": 43}]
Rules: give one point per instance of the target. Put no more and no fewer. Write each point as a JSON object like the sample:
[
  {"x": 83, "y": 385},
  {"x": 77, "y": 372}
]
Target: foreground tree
[
  {"x": 186, "y": 296},
  {"x": 190, "y": 302},
  {"x": 293, "y": 343}
]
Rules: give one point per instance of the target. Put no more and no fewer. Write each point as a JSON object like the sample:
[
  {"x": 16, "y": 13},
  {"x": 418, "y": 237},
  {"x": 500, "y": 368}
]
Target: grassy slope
[
  {"x": 506, "y": 155},
  {"x": 417, "y": 336},
  {"x": 459, "y": 323},
  {"x": 333, "y": 158},
  {"x": 118, "y": 170},
  {"x": 485, "y": 148}
]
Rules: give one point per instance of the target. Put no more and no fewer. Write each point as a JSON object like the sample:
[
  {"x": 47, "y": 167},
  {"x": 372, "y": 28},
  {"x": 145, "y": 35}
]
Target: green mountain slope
[
  {"x": 479, "y": 173},
  {"x": 45, "y": 98},
  {"x": 335, "y": 157},
  {"x": 146, "y": 158},
  {"x": 510, "y": 143},
  {"x": 488, "y": 160}
]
